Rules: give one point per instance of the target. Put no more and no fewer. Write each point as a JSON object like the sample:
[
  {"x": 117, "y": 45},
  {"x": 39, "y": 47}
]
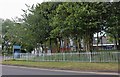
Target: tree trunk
[
  {"x": 79, "y": 44},
  {"x": 115, "y": 38},
  {"x": 67, "y": 43},
  {"x": 118, "y": 41},
  {"x": 45, "y": 48},
  {"x": 57, "y": 44},
  {"x": 101, "y": 43},
  {"x": 89, "y": 42},
  {"x": 84, "y": 43},
  {"x": 42, "y": 47},
  {"x": 50, "y": 44},
  {"x": 97, "y": 42},
  {"x": 76, "y": 43}
]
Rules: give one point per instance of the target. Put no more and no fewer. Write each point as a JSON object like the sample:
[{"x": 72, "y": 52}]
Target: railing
[{"x": 72, "y": 57}]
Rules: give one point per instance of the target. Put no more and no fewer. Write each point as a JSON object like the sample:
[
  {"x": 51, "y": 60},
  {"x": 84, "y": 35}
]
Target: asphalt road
[
  {"x": 0, "y": 58},
  {"x": 0, "y": 65},
  {"x": 18, "y": 70}
]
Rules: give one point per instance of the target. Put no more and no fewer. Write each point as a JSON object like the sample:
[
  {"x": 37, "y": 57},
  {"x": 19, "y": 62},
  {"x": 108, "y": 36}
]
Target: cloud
[{"x": 12, "y": 8}]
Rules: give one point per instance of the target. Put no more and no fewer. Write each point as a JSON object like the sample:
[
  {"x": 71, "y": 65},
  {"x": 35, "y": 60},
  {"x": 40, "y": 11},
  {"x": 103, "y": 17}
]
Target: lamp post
[
  {"x": 50, "y": 44},
  {"x": 46, "y": 45},
  {"x": 76, "y": 41},
  {"x": 61, "y": 40},
  {"x": 75, "y": 32},
  {"x": 9, "y": 46},
  {"x": 6, "y": 47}
]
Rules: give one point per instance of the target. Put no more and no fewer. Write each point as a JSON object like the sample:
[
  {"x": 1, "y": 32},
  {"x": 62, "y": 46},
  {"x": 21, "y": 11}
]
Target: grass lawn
[{"x": 68, "y": 65}]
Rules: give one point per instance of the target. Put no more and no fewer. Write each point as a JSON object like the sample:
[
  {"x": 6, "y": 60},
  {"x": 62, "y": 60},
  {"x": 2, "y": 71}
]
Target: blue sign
[
  {"x": 16, "y": 47},
  {"x": 16, "y": 51},
  {"x": 16, "y": 55}
]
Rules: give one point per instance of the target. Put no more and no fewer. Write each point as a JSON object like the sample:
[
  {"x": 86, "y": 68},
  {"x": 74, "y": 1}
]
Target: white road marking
[{"x": 100, "y": 73}]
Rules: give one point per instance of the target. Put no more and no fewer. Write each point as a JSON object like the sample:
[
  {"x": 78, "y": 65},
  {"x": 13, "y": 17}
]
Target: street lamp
[
  {"x": 61, "y": 40},
  {"x": 76, "y": 41},
  {"x": 75, "y": 32},
  {"x": 7, "y": 46}
]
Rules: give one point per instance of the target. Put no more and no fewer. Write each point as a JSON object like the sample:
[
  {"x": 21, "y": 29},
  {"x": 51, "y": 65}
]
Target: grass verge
[{"x": 106, "y": 67}]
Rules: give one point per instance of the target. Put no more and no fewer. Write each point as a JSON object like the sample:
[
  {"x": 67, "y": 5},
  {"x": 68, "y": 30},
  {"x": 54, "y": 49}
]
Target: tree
[
  {"x": 77, "y": 19},
  {"x": 1, "y": 22},
  {"x": 38, "y": 20},
  {"x": 17, "y": 33},
  {"x": 112, "y": 21}
]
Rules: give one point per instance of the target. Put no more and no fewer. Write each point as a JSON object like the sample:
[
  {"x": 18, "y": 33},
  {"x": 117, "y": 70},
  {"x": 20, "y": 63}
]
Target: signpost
[{"x": 16, "y": 51}]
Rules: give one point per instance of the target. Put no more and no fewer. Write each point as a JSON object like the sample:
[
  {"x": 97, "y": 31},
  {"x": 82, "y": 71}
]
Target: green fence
[{"x": 72, "y": 57}]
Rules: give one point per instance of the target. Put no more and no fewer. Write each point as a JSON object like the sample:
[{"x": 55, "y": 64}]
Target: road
[
  {"x": 0, "y": 58},
  {"x": 15, "y": 70},
  {"x": 18, "y": 70},
  {"x": 0, "y": 65}
]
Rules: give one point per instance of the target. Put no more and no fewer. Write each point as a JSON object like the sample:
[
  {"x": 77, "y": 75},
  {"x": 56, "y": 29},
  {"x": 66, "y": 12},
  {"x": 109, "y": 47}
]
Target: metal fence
[{"x": 72, "y": 57}]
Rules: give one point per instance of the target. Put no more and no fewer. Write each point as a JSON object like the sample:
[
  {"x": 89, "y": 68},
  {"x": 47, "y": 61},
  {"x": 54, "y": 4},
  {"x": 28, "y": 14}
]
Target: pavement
[
  {"x": 0, "y": 58},
  {"x": 0, "y": 65},
  {"x": 20, "y": 70},
  {"x": 16, "y": 71}
]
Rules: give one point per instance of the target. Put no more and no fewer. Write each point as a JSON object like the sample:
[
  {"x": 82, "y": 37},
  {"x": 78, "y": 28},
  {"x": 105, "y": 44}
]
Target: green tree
[
  {"x": 77, "y": 20},
  {"x": 112, "y": 25},
  {"x": 38, "y": 20},
  {"x": 17, "y": 33}
]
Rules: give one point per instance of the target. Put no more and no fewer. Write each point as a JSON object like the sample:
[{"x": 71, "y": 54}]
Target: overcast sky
[{"x": 12, "y": 8}]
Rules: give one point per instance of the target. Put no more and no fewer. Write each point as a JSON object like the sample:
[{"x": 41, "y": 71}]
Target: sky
[{"x": 13, "y": 8}]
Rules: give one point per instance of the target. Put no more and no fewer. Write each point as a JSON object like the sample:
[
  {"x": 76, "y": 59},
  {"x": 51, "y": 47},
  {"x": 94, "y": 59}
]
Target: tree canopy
[{"x": 56, "y": 21}]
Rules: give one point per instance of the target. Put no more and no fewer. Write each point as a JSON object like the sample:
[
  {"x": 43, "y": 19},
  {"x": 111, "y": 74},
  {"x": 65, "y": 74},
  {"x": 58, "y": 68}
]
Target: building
[{"x": 104, "y": 43}]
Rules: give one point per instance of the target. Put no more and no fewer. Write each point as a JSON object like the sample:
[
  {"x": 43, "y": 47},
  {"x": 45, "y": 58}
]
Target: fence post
[
  {"x": 63, "y": 56},
  {"x": 90, "y": 53},
  {"x": 4, "y": 57},
  {"x": 43, "y": 54},
  {"x": 28, "y": 56},
  {"x": 25, "y": 56}
]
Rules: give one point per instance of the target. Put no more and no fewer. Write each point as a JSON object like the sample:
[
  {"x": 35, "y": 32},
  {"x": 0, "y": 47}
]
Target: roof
[
  {"x": 16, "y": 47},
  {"x": 103, "y": 44}
]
